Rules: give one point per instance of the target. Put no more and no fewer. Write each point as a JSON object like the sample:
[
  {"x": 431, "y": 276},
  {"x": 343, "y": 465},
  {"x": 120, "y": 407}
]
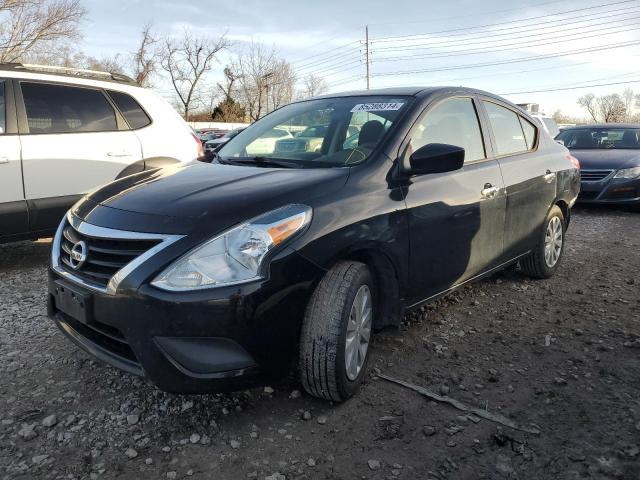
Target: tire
[
  {"x": 323, "y": 338},
  {"x": 540, "y": 262}
]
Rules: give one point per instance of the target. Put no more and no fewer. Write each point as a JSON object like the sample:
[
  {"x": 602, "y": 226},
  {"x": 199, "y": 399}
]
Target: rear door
[
  {"x": 73, "y": 140},
  {"x": 13, "y": 208},
  {"x": 456, "y": 219},
  {"x": 530, "y": 183}
]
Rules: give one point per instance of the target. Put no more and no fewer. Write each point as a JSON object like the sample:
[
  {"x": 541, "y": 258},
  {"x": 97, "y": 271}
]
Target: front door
[
  {"x": 456, "y": 219},
  {"x": 13, "y": 208},
  {"x": 73, "y": 145}
]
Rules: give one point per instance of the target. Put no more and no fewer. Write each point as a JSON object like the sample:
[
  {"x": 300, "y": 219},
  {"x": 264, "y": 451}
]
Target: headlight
[
  {"x": 237, "y": 255},
  {"x": 628, "y": 173}
]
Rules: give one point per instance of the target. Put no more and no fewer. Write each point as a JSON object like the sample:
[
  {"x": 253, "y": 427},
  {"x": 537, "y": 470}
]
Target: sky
[{"x": 522, "y": 49}]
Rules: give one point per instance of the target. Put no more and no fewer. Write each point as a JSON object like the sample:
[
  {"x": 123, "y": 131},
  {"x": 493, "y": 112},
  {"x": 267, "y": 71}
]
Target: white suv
[{"x": 64, "y": 132}]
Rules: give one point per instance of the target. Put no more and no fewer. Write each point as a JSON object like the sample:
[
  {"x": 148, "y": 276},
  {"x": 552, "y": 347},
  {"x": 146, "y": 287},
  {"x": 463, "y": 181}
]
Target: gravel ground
[{"x": 561, "y": 354}]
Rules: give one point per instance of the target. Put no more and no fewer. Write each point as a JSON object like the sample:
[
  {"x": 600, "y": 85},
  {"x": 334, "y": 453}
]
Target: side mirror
[
  {"x": 436, "y": 158},
  {"x": 561, "y": 142}
]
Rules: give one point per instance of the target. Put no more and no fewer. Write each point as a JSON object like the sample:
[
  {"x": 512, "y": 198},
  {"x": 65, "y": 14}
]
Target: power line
[
  {"x": 330, "y": 62},
  {"x": 326, "y": 52},
  {"x": 466, "y": 16},
  {"x": 396, "y": 38},
  {"x": 515, "y": 60},
  {"x": 511, "y": 46},
  {"x": 573, "y": 87},
  {"x": 487, "y": 38}
]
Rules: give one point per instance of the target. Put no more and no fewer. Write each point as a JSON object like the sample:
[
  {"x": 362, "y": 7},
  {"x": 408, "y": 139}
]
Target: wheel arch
[{"x": 387, "y": 280}]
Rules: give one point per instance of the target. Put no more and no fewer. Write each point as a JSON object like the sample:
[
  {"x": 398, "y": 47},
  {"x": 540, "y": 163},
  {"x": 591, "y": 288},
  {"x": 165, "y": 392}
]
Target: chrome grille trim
[
  {"x": 98, "y": 232},
  {"x": 587, "y": 175}
]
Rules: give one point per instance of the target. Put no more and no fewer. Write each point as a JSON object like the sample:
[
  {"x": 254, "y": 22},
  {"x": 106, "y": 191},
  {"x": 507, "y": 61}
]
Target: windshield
[
  {"x": 318, "y": 133},
  {"x": 601, "y": 138}
]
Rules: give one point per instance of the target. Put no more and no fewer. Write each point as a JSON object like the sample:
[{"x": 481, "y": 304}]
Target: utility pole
[{"x": 366, "y": 50}]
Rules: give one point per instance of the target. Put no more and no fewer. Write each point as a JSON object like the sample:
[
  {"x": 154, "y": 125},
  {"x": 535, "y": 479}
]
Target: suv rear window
[
  {"x": 63, "y": 109},
  {"x": 132, "y": 111}
]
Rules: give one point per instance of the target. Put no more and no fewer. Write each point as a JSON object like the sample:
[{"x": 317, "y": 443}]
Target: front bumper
[
  {"x": 212, "y": 340},
  {"x": 614, "y": 191}
]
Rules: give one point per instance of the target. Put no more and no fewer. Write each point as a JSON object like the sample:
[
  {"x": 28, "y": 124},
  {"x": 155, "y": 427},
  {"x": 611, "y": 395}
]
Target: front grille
[
  {"x": 104, "y": 256},
  {"x": 594, "y": 175}
]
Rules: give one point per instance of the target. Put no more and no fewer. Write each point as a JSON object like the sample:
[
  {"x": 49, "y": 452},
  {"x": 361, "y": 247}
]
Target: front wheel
[
  {"x": 544, "y": 260},
  {"x": 336, "y": 332}
]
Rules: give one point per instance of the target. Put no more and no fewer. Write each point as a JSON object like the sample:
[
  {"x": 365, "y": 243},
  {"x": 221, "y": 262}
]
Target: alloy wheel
[
  {"x": 358, "y": 332},
  {"x": 553, "y": 242}
]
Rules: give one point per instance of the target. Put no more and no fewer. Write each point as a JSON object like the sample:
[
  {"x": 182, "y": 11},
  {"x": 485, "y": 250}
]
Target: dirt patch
[{"x": 561, "y": 354}]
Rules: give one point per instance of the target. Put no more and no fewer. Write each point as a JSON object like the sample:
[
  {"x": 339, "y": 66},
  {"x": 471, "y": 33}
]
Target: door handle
[
  {"x": 489, "y": 191},
  {"x": 4, "y": 160},
  {"x": 119, "y": 154},
  {"x": 549, "y": 176}
]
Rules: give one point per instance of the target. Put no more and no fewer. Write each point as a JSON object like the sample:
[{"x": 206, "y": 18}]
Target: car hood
[
  {"x": 179, "y": 199},
  {"x": 593, "y": 159}
]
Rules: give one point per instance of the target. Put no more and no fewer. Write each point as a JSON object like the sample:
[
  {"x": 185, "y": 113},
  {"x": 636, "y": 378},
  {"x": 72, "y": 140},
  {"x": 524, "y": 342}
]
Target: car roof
[
  {"x": 407, "y": 91},
  {"x": 603, "y": 125}
]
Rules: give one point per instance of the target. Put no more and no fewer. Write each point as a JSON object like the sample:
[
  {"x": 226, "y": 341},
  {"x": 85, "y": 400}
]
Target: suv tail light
[
  {"x": 200, "y": 147},
  {"x": 574, "y": 161}
]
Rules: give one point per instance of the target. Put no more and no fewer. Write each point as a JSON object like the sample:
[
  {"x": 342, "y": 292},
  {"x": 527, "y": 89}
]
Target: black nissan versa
[{"x": 210, "y": 277}]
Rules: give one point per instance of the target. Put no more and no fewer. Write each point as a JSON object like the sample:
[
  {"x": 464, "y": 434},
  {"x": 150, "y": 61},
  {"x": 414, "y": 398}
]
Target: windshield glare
[
  {"x": 323, "y": 133},
  {"x": 601, "y": 138}
]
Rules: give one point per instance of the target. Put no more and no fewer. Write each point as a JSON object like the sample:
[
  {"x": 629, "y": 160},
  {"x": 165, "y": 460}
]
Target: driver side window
[{"x": 454, "y": 122}]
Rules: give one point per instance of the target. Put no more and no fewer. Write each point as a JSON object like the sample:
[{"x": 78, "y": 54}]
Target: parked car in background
[
  {"x": 257, "y": 258},
  {"x": 216, "y": 143},
  {"x": 266, "y": 143},
  {"x": 609, "y": 155},
  {"x": 208, "y": 136},
  {"x": 308, "y": 140},
  {"x": 548, "y": 123},
  {"x": 63, "y": 132}
]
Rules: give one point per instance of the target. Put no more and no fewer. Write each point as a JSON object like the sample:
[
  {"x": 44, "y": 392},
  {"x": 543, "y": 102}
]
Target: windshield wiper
[{"x": 260, "y": 161}]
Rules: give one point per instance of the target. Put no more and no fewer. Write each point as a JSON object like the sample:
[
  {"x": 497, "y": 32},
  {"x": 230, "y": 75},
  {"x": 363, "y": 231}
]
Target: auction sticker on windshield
[{"x": 377, "y": 107}]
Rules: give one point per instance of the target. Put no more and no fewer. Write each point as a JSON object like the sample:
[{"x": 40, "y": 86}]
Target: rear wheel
[
  {"x": 545, "y": 258},
  {"x": 336, "y": 333}
]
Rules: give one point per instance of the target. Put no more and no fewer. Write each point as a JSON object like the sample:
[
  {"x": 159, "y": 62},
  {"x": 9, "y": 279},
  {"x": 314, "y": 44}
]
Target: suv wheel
[
  {"x": 336, "y": 332},
  {"x": 544, "y": 260}
]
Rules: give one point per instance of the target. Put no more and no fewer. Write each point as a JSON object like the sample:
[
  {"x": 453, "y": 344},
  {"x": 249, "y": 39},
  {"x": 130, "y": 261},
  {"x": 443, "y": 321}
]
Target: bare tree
[
  {"x": 611, "y": 108},
  {"x": 629, "y": 99},
  {"x": 265, "y": 82},
  {"x": 37, "y": 26},
  {"x": 106, "y": 64},
  {"x": 146, "y": 58},
  {"x": 187, "y": 60},
  {"x": 589, "y": 102},
  {"x": 281, "y": 85},
  {"x": 313, "y": 85},
  {"x": 228, "y": 110}
]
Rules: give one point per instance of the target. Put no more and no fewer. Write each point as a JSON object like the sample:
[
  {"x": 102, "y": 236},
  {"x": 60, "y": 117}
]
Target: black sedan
[
  {"x": 208, "y": 277},
  {"x": 609, "y": 155}
]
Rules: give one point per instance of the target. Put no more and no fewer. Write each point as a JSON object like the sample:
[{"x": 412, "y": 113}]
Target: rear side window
[
  {"x": 453, "y": 122},
  {"x": 132, "y": 111},
  {"x": 529, "y": 132},
  {"x": 63, "y": 109},
  {"x": 3, "y": 115},
  {"x": 506, "y": 129}
]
